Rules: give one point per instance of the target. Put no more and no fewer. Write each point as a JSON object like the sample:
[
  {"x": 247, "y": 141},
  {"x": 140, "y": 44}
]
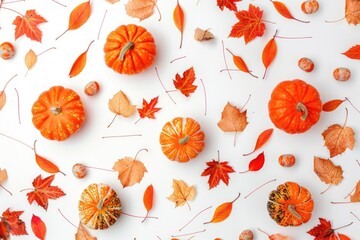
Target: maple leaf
[
  {"x": 338, "y": 139},
  {"x": 44, "y": 191},
  {"x": 230, "y": 4},
  {"x": 323, "y": 231},
  {"x": 232, "y": 119},
  {"x": 217, "y": 171},
  {"x": 148, "y": 109},
  {"x": 185, "y": 83},
  {"x": 250, "y": 25},
  {"x": 82, "y": 234},
  {"x": 28, "y": 25},
  {"x": 120, "y": 105},
  {"x": 11, "y": 224},
  {"x": 327, "y": 171},
  {"x": 140, "y": 9},
  {"x": 353, "y": 52},
  {"x": 131, "y": 171},
  {"x": 182, "y": 193},
  {"x": 356, "y": 196}
]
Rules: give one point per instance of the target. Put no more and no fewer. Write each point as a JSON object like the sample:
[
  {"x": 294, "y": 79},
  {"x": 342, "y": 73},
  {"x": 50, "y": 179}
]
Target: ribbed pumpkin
[
  {"x": 181, "y": 139},
  {"x": 294, "y": 106},
  {"x": 58, "y": 113},
  {"x": 130, "y": 49},
  {"x": 290, "y": 204},
  {"x": 99, "y": 206}
]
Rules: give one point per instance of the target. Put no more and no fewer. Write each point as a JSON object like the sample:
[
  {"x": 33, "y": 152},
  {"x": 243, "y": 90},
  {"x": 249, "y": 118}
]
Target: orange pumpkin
[
  {"x": 130, "y": 49},
  {"x": 290, "y": 204},
  {"x": 58, "y": 113},
  {"x": 99, "y": 206},
  {"x": 181, "y": 139},
  {"x": 294, "y": 106}
]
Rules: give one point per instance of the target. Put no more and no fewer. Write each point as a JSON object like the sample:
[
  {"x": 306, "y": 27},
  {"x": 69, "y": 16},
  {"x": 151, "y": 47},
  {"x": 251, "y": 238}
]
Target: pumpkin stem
[
  {"x": 184, "y": 140},
  {"x": 302, "y": 108},
  {"x": 55, "y": 110},
  {"x": 293, "y": 211},
  {"x": 100, "y": 205},
  {"x": 128, "y": 46}
]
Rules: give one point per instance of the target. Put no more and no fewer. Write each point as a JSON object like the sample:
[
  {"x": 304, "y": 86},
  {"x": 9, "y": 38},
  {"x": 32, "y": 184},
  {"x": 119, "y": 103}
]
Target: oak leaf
[
  {"x": 232, "y": 119},
  {"x": 83, "y": 234},
  {"x": 338, "y": 138},
  {"x": 185, "y": 83},
  {"x": 3, "y": 176},
  {"x": 229, "y": 4},
  {"x": 217, "y": 171},
  {"x": 2, "y": 99},
  {"x": 182, "y": 193},
  {"x": 203, "y": 35},
  {"x": 327, "y": 171},
  {"x": 148, "y": 109},
  {"x": 120, "y": 105},
  {"x": 38, "y": 227},
  {"x": 44, "y": 191},
  {"x": 356, "y": 196},
  {"x": 11, "y": 224},
  {"x": 140, "y": 9},
  {"x": 250, "y": 24},
  {"x": 353, "y": 52},
  {"x": 131, "y": 171},
  {"x": 28, "y": 25}
]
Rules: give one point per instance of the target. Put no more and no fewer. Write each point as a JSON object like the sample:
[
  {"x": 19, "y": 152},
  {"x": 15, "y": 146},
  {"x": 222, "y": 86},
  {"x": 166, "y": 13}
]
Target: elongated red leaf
[
  {"x": 256, "y": 164},
  {"x": 240, "y": 64},
  {"x": 353, "y": 52},
  {"x": 38, "y": 227},
  {"x": 223, "y": 211},
  {"x": 79, "y": 63},
  {"x": 269, "y": 54},
  {"x": 262, "y": 139},
  {"x": 332, "y": 105},
  {"x": 148, "y": 199},
  {"x": 45, "y": 164},
  {"x": 284, "y": 11},
  {"x": 178, "y": 17}
]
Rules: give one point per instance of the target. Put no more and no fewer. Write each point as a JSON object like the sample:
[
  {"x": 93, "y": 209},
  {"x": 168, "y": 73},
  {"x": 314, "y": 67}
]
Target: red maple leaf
[
  {"x": 250, "y": 25},
  {"x": 43, "y": 191},
  {"x": 149, "y": 109},
  {"x": 230, "y": 4},
  {"x": 217, "y": 171},
  {"x": 11, "y": 224},
  {"x": 185, "y": 83},
  {"x": 324, "y": 231},
  {"x": 28, "y": 25}
]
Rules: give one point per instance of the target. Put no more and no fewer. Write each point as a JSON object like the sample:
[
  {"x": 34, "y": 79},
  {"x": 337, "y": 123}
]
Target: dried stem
[
  {"x": 5, "y": 189},
  {"x": 9, "y": 2},
  {"x": 194, "y": 218},
  {"x": 143, "y": 149},
  {"x": 266, "y": 21},
  {"x": 283, "y": 37},
  {"x": 18, "y": 105},
  {"x": 259, "y": 188},
  {"x": 9, "y": 9},
  {"x": 112, "y": 121},
  {"x": 45, "y": 51},
  {"x": 61, "y": 4},
  {"x": 358, "y": 162},
  {"x": 264, "y": 232},
  {"x": 135, "y": 216},
  {"x": 247, "y": 101},
  {"x": 326, "y": 189},
  {"x": 177, "y": 59},
  {"x": 335, "y": 229},
  {"x": 17, "y": 141},
  {"x": 355, "y": 216},
  {"x": 338, "y": 20},
  {"x": 347, "y": 99},
  {"x": 349, "y": 193},
  {"x": 340, "y": 202},
  {"x": 121, "y": 136},
  {"x": 66, "y": 218},
  {"x": 62, "y": 34},
  {"x": 102, "y": 22},
  {"x": 7, "y": 84},
  {"x": 157, "y": 8},
  {"x": 187, "y": 234},
  {"x": 27, "y": 189},
  {"x": 157, "y": 74},
  {"x": 205, "y": 98},
  {"x": 103, "y": 169},
  {"x": 223, "y": 51}
]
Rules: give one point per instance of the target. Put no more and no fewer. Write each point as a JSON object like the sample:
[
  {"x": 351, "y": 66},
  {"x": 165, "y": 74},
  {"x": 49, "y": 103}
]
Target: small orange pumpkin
[
  {"x": 294, "y": 106},
  {"x": 130, "y": 49},
  {"x": 58, "y": 113},
  {"x": 181, "y": 139},
  {"x": 99, "y": 206},
  {"x": 290, "y": 204}
]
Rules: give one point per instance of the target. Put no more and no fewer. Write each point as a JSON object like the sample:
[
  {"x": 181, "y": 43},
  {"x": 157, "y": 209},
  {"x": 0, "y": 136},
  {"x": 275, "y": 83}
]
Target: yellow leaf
[
  {"x": 2, "y": 99},
  {"x": 131, "y": 171},
  {"x": 140, "y": 9},
  {"x": 182, "y": 193},
  {"x": 82, "y": 234},
  {"x": 338, "y": 139},
  {"x": 327, "y": 171},
  {"x": 353, "y": 198},
  {"x": 3, "y": 176},
  {"x": 120, "y": 105},
  {"x": 30, "y": 59}
]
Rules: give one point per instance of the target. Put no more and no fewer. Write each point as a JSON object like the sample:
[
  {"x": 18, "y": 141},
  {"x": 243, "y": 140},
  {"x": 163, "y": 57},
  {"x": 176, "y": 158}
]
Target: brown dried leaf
[
  {"x": 131, "y": 171},
  {"x": 182, "y": 193},
  {"x": 3, "y": 176},
  {"x": 83, "y": 234},
  {"x": 356, "y": 196},
  {"x": 120, "y": 105},
  {"x": 338, "y": 139},
  {"x": 2, "y": 99},
  {"x": 352, "y": 11},
  {"x": 30, "y": 59},
  {"x": 232, "y": 119},
  {"x": 203, "y": 35},
  {"x": 140, "y": 9},
  {"x": 327, "y": 171}
]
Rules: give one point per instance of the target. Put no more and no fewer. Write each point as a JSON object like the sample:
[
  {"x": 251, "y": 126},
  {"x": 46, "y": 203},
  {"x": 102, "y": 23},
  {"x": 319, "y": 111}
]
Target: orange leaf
[
  {"x": 229, "y": 4},
  {"x": 278, "y": 236},
  {"x": 131, "y": 171},
  {"x": 30, "y": 59},
  {"x": 148, "y": 197},
  {"x": 120, "y": 105},
  {"x": 343, "y": 237},
  {"x": 217, "y": 171},
  {"x": 82, "y": 234},
  {"x": 262, "y": 139},
  {"x": 45, "y": 164},
  {"x": 140, "y": 9},
  {"x": 178, "y": 17},
  {"x": 38, "y": 227},
  {"x": 332, "y": 105},
  {"x": 269, "y": 54},
  {"x": 284, "y": 11},
  {"x": 28, "y": 25},
  {"x": 240, "y": 64},
  {"x": 185, "y": 83},
  {"x": 223, "y": 211},
  {"x": 338, "y": 139},
  {"x": 352, "y": 12},
  {"x": 79, "y": 63},
  {"x": 353, "y": 52},
  {"x": 3, "y": 176},
  {"x": 232, "y": 119},
  {"x": 10, "y": 223},
  {"x": 2, "y": 99},
  {"x": 257, "y": 163},
  {"x": 327, "y": 171},
  {"x": 356, "y": 196},
  {"x": 182, "y": 193},
  {"x": 149, "y": 109}
]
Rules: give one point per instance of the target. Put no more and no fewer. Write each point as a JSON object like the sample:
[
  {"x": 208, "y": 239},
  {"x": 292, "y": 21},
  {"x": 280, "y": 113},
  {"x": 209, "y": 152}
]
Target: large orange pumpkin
[
  {"x": 182, "y": 139},
  {"x": 99, "y": 206},
  {"x": 290, "y": 204},
  {"x": 130, "y": 49},
  {"x": 294, "y": 106},
  {"x": 58, "y": 113}
]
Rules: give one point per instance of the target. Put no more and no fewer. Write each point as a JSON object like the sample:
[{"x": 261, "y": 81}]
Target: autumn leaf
[
  {"x": 261, "y": 140},
  {"x": 79, "y": 63},
  {"x": 338, "y": 139},
  {"x": 11, "y": 224},
  {"x": 217, "y": 171},
  {"x": 284, "y": 11},
  {"x": 232, "y": 119},
  {"x": 324, "y": 231},
  {"x": 140, "y": 9},
  {"x": 229, "y": 4},
  {"x": 178, "y": 17},
  {"x": 112, "y": 1},
  {"x": 38, "y": 227},
  {"x": 250, "y": 24},
  {"x": 148, "y": 199},
  {"x": 223, "y": 211},
  {"x": 332, "y": 105},
  {"x": 256, "y": 164},
  {"x": 240, "y": 64},
  {"x": 2, "y": 99},
  {"x": 278, "y": 236},
  {"x": 28, "y": 25},
  {"x": 120, "y": 105},
  {"x": 327, "y": 171},
  {"x": 130, "y": 170},
  {"x": 356, "y": 196},
  {"x": 353, "y": 52},
  {"x": 148, "y": 109},
  {"x": 185, "y": 83},
  {"x": 3, "y": 176},
  {"x": 352, "y": 12},
  {"x": 45, "y": 164},
  {"x": 30, "y": 59},
  {"x": 343, "y": 237},
  {"x": 44, "y": 191},
  {"x": 182, "y": 193},
  {"x": 203, "y": 35},
  {"x": 83, "y": 234},
  {"x": 269, "y": 53}
]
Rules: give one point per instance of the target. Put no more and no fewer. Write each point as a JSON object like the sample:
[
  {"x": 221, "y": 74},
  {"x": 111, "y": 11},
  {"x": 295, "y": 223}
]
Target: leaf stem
[
  {"x": 157, "y": 74},
  {"x": 45, "y": 51},
  {"x": 17, "y": 140},
  {"x": 9, "y": 9},
  {"x": 326, "y": 189},
  {"x": 18, "y": 105},
  {"x": 205, "y": 98},
  {"x": 66, "y": 218},
  {"x": 62, "y": 34},
  {"x": 7, "y": 84},
  {"x": 112, "y": 121},
  {"x": 58, "y": 3},
  {"x": 8, "y": 2},
  {"x": 5, "y": 189},
  {"x": 177, "y": 59},
  {"x": 135, "y": 216},
  {"x": 101, "y": 25},
  {"x": 187, "y": 234},
  {"x": 226, "y": 65},
  {"x": 335, "y": 229},
  {"x": 157, "y": 8},
  {"x": 347, "y": 99},
  {"x": 284, "y": 37},
  {"x": 349, "y": 193},
  {"x": 236, "y": 198},
  {"x": 121, "y": 136},
  {"x": 338, "y": 20},
  {"x": 103, "y": 169},
  {"x": 143, "y": 149},
  {"x": 264, "y": 232},
  {"x": 355, "y": 216},
  {"x": 194, "y": 218},
  {"x": 27, "y": 189},
  {"x": 259, "y": 188}
]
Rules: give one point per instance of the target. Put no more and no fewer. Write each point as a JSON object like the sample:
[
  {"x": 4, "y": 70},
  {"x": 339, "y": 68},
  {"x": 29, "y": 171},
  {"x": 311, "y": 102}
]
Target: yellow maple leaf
[
  {"x": 120, "y": 105},
  {"x": 131, "y": 171},
  {"x": 182, "y": 193}
]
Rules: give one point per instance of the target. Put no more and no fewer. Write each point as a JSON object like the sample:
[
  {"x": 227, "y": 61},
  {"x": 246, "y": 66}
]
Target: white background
[{"x": 88, "y": 147}]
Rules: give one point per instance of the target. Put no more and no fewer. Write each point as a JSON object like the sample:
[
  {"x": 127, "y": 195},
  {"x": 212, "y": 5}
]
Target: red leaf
[
  {"x": 262, "y": 139},
  {"x": 353, "y": 52},
  {"x": 43, "y": 191},
  {"x": 332, "y": 105},
  {"x": 148, "y": 199},
  {"x": 230, "y": 4},
  {"x": 250, "y": 25},
  {"x": 185, "y": 83},
  {"x": 343, "y": 237},
  {"x": 38, "y": 227},
  {"x": 322, "y": 231},
  {"x": 284, "y": 11},
  {"x": 28, "y": 25},
  {"x": 269, "y": 54},
  {"x": 217, "y": 171},
  {"x": 257, "y": 163},
  {"x": 178, "y": 17},
  {"x": 79, "y": 63},
  {"x": 11, "y": 224},
  {"x": 240, "y": 64},
  {"x": 148, "y": 109}
]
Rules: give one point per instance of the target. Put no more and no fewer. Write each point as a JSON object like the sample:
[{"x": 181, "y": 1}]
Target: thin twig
[
  {"x": 194, "y": 218},
  {"x": 355, "y": 216},
  {"x": 202, "y": 82},
  {"x": 157, "y": 73},
  {"x": 259, "y": 187},
  {"x": 226, "y": 65},
  {"x": 45, "y": 51},
  {"x": 187, "y": 234},
  {"x": 18, "y": 104},
  {"x": 177, "y": 59},
  {"x": 58, "y": 3},
  {"x": 121, "y": 136},
  {"x": 17, "y": 141},
  {"x": 102, "y": 22}
]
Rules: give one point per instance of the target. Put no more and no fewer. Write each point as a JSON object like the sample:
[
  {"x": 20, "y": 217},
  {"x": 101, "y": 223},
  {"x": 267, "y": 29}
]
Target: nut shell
[
  {"x": 310, "y": 6},
  {"x": 306, "y": 64},
  {"x": 79, "y": 170},
  {"x": 287, "y": 160},
  {"x": 342, "y": 74},
  {"x": 246, "y": 235}
]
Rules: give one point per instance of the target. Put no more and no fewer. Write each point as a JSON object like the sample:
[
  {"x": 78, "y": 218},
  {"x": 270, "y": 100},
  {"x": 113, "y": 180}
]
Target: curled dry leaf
[
  {"x": 182, "y": 193},
  {"x": 28, "y": 25},
  {"x": 352, "y": 11},
  {"x": 30, "y": 59},
  {"x": 3, "y": 176},
  {"x": 140, "y": 9},
  {"x": 203, "y": 35},
  {"x": 338, "y": 138},
  {"x": 353, "y": 52},
  {"x": 83, "y": 234},
  {"x": 356, "y": 196},
  {"x": 327, "y": 171},
  {"x": 38, "y": 227},
  {"x": 185, "y": 83},
  {"x": 2, "y": 99},
  {"x": 120, "y": 105},
  {"x": 232, "y": 119},
  {"x": 130, "y": 171}
]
